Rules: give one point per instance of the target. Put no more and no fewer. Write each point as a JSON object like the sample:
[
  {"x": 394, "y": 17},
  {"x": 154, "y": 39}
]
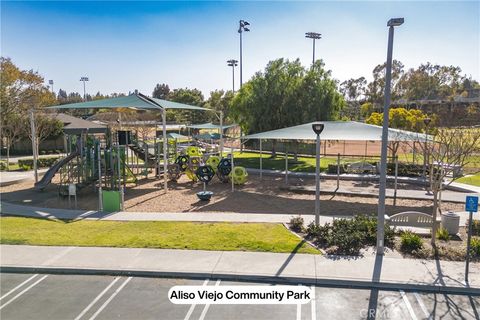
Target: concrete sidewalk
[
  {"x": 64, "y": 214},
  {"x": 12, "y": 177},
  {"x": 370, "y": 271},
  {"x": 447, "y": 196}
]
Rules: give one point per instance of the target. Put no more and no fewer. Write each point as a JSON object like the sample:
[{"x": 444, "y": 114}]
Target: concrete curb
[{"x": 338, "y": 283}]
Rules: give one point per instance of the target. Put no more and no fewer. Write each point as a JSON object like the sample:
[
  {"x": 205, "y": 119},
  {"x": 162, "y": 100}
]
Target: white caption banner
[{"x": 240, "y": 295}]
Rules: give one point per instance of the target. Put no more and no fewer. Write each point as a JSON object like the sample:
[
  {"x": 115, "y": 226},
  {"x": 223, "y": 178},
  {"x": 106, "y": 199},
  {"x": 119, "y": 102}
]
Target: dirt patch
[{"x": 255, "y": 196}]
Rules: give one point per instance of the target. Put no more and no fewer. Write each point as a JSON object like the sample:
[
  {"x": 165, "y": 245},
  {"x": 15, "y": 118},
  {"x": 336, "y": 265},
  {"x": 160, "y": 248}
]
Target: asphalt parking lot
[{"x": 30, "y": 296}]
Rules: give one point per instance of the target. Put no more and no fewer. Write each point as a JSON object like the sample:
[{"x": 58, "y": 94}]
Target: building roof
[{"x": 74, "y": 125}]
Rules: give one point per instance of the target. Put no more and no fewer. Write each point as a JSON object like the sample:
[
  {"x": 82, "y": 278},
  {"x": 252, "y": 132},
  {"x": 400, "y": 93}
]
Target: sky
[{"x": 123, "y": 46}]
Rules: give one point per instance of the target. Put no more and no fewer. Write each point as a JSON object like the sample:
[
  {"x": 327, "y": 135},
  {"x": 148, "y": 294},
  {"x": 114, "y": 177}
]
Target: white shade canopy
[{"x": 339, "y": 130}]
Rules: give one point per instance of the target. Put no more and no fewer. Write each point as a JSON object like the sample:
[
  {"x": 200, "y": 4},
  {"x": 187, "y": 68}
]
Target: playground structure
[{"x": 110, "y": 160}]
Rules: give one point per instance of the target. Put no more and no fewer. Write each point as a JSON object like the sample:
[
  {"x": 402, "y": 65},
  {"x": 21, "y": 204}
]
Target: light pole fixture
[
  {"x": 242, "y": 27},
  {"x": 84, "y": 79},
  {"x": 317, "y": 128},
  {"x": 233, "y": 63},
  {"x": 314, "y": 36},
  {"x": 383, "y": 162},
  {"x": 50, "y": 82}
]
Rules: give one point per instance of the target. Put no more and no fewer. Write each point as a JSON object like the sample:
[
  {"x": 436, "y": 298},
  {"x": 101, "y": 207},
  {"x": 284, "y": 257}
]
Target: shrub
[
  {"x": 312, "y": 230},
  {"x": 475, "y": 227},
  {"x": 368, "y": 225},
  {"x": 332, "y": 168},
  {"x": 410, "y": 242},
  {"x": 475, "y": 247},
  {"x": 442, "y": 234},
  {"x": 3, "y": 165},
  {"x": 346, "y": 237},
  {"x": 296, "y": 223},
  {"x": 27, "y": 164}
]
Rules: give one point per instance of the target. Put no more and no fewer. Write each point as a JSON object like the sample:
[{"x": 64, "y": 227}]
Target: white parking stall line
[
  {"x": 97, "y": 298},
  {"x": 17, "y": 287},
  {"x": 422, "y": 306},
  {"x": 111, "y": 298},
  {"x": 192, "y": 307},
  {"x": 205, "y": 309},
  {"x": 313, "y": 304},
  {"x": 408, "y": 305},
  {"x": 23, "y": 291},
  {"x": 299, "y": 309}
]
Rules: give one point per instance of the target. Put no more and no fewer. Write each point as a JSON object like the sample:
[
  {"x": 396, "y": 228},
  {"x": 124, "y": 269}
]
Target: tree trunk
[{"x": 8, "y": 154}]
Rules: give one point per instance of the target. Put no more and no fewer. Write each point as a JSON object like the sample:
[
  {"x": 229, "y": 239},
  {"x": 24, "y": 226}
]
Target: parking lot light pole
[
  {"x": 317, "y": 128},
  {"x": 383, "y": 162}
]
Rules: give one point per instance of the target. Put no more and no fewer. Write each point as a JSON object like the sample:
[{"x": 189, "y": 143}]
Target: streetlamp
[
  {"x": 233, "y": 63},
  {"x": 317, "y": 128},
  {"x": 383, "y": 163},
  {"x": 314, "y": 36},
  {"x": 84, "y": 79},
  {"x": 50, "y": 82},
  {"x": 242, "y": 27},
  {"x": 426, "y": 162}
]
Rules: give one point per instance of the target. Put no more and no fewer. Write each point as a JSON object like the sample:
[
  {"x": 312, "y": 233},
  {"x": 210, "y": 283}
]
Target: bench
[
  {"x": 412, "y": 219},
  {"x": 361, "y": 167}
]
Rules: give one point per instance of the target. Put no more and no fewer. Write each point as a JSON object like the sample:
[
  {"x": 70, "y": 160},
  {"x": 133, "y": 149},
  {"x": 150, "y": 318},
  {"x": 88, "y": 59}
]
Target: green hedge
[
  {"x": 405, "y": 169},
  {"x": 27, "y": 164}
]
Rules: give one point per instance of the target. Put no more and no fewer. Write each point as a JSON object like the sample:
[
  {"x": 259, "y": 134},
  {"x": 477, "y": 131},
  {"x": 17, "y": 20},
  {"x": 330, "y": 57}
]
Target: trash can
[{"x": 451, "y": 222}]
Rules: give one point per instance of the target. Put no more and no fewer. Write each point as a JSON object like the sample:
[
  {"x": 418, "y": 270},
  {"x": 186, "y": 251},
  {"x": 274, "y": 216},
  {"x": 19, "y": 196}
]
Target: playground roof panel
[
  {"x": 339, "y": 130},
  {"x": 133, "y": 101},
  {"x": 210, "y": 126},
  {"x": 173, "y": 135}
]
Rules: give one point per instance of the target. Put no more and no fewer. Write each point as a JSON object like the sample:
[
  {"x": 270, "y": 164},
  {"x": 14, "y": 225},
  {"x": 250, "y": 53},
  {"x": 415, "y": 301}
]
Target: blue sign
[{"x": 471, "y": 204}]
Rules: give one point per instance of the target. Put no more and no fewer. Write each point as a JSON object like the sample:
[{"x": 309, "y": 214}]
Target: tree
[
  {"x": 352, "y": 89},
  {"x": 12, "y": 131},
  {"x": 192, "y": 97},
  {"x": 220, "y": 100},
  {"x": 400, "y": 118},
  {"x": 286, "y": 94},
  {"x": 20, "y": 92},
  {"x": 161, "y": 91},
  {"x": 452, "y": 149},
  {"x": 375, "y": 89},
  {"x": 366, "y": 109},
  {"x": 430, "y": 81}
]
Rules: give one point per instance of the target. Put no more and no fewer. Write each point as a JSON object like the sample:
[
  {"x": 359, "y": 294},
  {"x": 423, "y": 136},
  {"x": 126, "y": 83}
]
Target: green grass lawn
[
  {"x": 471, "y": 180},
  {"x": 262, "y": 237},
  {"x": 304, "y": 164}
]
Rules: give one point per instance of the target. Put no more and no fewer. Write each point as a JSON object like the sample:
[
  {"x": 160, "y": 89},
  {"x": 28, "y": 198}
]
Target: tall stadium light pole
[
  {"x": 84, "y": 79},
  {"x": 242, "y": 27},
  {"x": 317, "y": 128},
  {"x": 233, "y": 63},
  {"x": 383, "y": 162},
  {"x": 50, "y": 82},
  {"x": 314, "y": 36}
]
